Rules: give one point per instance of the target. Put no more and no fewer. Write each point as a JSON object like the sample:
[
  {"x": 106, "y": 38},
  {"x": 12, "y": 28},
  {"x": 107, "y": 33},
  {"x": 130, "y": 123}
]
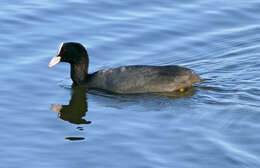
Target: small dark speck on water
[{"x": 75, "y": 138}]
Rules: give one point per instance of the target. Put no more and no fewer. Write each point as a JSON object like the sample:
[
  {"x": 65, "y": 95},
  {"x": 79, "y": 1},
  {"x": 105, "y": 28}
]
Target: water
[{"x": 215, "y": 124}]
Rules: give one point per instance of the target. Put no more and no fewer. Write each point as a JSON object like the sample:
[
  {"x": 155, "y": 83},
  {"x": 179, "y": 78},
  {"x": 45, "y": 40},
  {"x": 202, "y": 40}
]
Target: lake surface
[{"x": 46, "y": 123}]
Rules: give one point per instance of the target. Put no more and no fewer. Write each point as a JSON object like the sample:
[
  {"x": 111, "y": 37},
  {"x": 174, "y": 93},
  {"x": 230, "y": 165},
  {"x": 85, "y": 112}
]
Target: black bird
[{"x": 124, "y": 79}]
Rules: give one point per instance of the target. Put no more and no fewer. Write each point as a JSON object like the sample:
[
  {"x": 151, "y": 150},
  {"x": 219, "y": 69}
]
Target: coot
[{"x": 124, "y": 79}]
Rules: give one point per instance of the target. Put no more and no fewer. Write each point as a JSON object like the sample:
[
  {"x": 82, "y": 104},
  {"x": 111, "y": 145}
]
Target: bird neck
[{"x": 79, "y": 72}]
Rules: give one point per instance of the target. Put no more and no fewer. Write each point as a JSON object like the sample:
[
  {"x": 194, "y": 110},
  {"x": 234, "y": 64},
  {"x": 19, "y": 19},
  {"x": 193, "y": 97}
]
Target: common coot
[{"x": 124, "y": 79}]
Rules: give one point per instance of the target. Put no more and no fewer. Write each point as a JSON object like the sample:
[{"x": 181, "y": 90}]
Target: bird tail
[{"x": 196, "y": 78}]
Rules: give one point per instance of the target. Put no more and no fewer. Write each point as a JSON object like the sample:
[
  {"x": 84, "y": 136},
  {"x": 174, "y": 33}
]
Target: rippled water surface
[{"x": 46, "y": 123}]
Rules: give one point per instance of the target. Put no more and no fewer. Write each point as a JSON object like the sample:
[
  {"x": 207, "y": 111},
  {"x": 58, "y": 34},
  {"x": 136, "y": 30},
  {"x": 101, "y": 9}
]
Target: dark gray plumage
[{"x": 125, "y": 79}]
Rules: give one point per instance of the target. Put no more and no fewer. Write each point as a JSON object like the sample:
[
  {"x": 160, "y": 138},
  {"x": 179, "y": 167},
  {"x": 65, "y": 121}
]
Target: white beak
[{"x": 55, "y": 60}]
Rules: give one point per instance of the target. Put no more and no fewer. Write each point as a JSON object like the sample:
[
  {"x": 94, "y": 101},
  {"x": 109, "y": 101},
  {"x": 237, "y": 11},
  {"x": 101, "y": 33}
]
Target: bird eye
[{"x": 63, "y": 50}]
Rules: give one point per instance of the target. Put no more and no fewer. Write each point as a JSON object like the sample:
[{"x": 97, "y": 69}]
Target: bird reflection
[{"x": 77, "y": 108}]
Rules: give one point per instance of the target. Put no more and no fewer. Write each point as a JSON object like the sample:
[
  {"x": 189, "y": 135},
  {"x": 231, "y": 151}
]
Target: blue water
[{"x": 46, "y": 123}]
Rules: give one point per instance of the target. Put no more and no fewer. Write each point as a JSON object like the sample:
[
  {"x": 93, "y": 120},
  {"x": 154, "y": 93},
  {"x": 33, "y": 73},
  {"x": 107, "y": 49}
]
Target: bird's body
[
  {"x": 124, "y": 79},
  {"x": 142, "y": 79}
]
